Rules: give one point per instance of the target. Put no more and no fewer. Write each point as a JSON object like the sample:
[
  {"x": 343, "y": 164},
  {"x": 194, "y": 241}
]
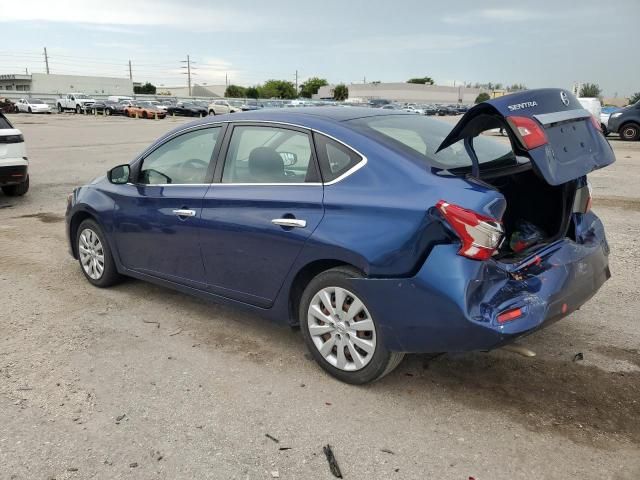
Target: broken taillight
[
  {"x": 528, "y": 131},
  {"x": 480, "y": 235}
]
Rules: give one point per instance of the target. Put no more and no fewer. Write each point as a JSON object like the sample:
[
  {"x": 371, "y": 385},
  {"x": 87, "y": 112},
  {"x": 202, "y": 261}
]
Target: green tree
[
  {"x": 422, "y": 81},
  {"x": 278, "y": 89},
  {"x": 235, "y": 91},
  {"x": 635, "y": 98},
  {"x": 590, "y": 90},
  {"x": 311, "y": 86},
  {"x": 340, "y": 92},
  {"x": 483, "y": 97},
  {"x": 147, "y": 88},
  {"x": 252, "y": 92}
]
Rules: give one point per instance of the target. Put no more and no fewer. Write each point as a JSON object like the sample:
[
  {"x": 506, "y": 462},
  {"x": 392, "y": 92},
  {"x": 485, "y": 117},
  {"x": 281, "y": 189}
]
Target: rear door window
[
  {"x": 4, "y": 123},
  {"x": 335, "y": 159}
]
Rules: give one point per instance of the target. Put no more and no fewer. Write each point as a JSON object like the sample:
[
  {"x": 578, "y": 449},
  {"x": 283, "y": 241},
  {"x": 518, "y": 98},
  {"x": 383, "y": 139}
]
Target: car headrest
[{"x": 266, "y": 165}]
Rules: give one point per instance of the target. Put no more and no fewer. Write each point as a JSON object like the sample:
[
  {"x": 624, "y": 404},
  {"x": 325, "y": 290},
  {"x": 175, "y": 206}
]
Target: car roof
[{"x": 308, "y": 116}]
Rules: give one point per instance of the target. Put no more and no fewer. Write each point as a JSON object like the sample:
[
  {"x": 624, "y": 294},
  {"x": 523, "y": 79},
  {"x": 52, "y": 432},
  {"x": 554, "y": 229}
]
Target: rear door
[
  {"x": 258, "y": 215},
  {"x": 548, "y": 125}
]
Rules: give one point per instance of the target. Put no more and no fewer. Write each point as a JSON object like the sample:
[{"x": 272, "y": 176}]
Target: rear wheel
[
  {"x": 78, "y": 109},
  {"x": 17, "y": 190},
  {"x": 144, "y": 114},
  {"x": 630, "y": 131},
  {"x": 107, "y": 112},
  {"x": 212, "y": 112},
  {"x": 59, "y": 108},
  {"x": 94, "y": 255},
  {"x": 340, "y": 332}
]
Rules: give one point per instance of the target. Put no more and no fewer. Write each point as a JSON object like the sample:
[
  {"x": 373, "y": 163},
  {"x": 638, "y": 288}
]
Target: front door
[
  {"x": 259, "y": 215},
  {"x": 157, "y": 219}
]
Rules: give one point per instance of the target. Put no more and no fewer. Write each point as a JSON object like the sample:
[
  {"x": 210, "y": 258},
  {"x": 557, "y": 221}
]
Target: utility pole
[
  {"x": 46, "y": 60},
  {"x": 296, "y": 83},
  {"x": 188, "y": 72},
  {"x": 226, "y": 79},
  {"x": 364, "y": 79},
  {"x": 130, "y": 74}
]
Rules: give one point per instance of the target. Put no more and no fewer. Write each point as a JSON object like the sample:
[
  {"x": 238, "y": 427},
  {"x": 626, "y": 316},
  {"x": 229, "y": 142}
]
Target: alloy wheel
[
  {"x": 341, "y": 328},
  {"x": 91, "y": 254}
]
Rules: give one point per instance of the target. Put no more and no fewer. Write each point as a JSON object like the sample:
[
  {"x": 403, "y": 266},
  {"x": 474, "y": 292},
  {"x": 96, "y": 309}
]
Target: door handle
[
  {"x": 289, "y": 222},
  {"x": 184, "y": 212}
]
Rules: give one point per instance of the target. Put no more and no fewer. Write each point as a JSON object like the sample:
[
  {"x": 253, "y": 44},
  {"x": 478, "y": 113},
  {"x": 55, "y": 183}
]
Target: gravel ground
[{"x": 142, "y": 382}]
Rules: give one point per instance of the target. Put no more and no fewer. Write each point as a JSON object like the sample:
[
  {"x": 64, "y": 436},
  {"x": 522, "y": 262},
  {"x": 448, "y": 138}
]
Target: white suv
[
  {"x": 220, "y": 107},
  {"x": 14, "y": 175}
]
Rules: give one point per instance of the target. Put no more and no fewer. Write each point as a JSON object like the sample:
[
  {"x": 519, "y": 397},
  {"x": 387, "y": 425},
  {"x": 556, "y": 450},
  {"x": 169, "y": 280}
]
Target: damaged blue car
[{"x": 375, "y": 231}]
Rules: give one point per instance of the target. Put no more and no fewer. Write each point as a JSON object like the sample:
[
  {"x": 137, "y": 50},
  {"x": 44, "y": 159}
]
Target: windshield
[
  {"x": 422, "y": 135},
  {"x": 35, "y": 101},
  {"x": 80, "y": 95}
]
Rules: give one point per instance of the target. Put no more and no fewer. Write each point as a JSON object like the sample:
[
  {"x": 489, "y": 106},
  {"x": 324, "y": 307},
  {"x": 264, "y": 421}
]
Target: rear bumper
[
  {"x": 13, "y": 172},
  {"x": 452, "y": 303}
]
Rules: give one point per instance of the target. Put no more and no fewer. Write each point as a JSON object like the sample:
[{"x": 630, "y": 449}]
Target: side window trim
[
  {"x": 357, "y": 166},
  {"x": 215, "y": 156},
  {"x": 222, "y": 158}
]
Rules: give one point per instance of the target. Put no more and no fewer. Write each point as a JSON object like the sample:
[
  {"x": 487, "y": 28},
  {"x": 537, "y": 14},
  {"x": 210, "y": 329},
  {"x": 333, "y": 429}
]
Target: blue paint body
[{"x": 380, "y": 219}]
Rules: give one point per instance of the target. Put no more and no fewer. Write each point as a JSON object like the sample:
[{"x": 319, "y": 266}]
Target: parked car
[
  {"x": 14, "y": 164},
  {"x": 221, "y": 107},
  {"x": 144, "y": 110},
  {"x": 604, "y": 118},
  {"x": 626, "y": 122},
  {"x": 78, "y": 102},
  {"x": 374, "y": 230},
  {"x": 187, "y": 109},
  {"x": 108, "y": 107},
  {"x": 7, "y": 105},
  {"x": 32, "y": 105},
  {"x": 159, "y": 105},
  {"x": 119, "y": 98},
  {"x": 430, "y": 110}
]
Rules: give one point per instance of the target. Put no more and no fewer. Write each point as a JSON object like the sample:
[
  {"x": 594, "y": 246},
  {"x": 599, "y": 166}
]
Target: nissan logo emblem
[{"x": 565, "y": 98}]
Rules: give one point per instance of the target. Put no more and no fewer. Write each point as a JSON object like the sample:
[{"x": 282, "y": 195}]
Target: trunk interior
[{"x": 532, "y": 200}]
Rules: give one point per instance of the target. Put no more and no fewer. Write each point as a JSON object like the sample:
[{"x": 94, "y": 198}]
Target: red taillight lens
[
  {"x": 510, "y": 315},
  {"x": 529, "y": 132},
  {"x": 596, "y": 123},
  {"x": 480, "y": 235}
]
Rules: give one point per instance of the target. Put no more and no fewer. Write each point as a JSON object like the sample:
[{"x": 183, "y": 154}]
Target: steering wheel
[{"x": 192, "y": 169}]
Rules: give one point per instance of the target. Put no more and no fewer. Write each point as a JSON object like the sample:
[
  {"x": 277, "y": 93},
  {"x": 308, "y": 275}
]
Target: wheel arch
[
  {"x": 304, "y": 276},
  {"x": 77, "y": 218}
]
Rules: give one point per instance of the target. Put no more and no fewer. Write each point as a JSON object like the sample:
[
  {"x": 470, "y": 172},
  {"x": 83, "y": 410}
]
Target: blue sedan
[{"x": 375, "y": 231}]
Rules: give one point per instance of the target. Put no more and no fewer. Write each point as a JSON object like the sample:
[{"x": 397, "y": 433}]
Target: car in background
[
  {"x": 413, "y": 109},
  {"x": 626, "y": 122},
  {"x": 7, "y": 105},
  {"x": 442, "y": 110},
  {"x": 430, "y": 109},
  {"x": 379, "y": 102},
  {"x": 14, "y": 164},
  {"x": 108, "y": 107},
  {"x": 594, "y": 107},
  {"x": 78, "y": 102},
  {"x": 222, "y": 107},
  {"x": 187, "y": 109},
  {"x": 377, "y": 232},
  {"x": 144, "y": 109},
  {"x": 604, "y": 117},
  {"x": 159, "y": 105},
  {"x": 32, "y": 105},
  {"x": 119, "y": 98}
]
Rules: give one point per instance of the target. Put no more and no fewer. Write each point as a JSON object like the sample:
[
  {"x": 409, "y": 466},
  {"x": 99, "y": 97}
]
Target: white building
[
  {"x": 41, "y": 83},
  {"x": 405, "y": 92}
]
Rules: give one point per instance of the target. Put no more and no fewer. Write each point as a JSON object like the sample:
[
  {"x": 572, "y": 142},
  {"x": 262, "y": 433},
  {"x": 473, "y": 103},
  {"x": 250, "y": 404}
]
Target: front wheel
[
  {"x": 340, "y": 331},
  {"x": 630, "y": 131},
  {"x": 94, "y": 255},
  {"x": 78, "y": 109},
  {"x": 30, "y": 111},
  {"x": 59, "y": 108}
]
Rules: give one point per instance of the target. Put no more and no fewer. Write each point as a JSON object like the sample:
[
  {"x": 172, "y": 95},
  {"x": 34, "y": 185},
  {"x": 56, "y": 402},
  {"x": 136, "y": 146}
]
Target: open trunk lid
[{"x": 569, "y": 145}]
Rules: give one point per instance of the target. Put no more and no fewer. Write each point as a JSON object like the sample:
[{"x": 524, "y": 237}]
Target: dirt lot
[{"x": 141, "y": 382}]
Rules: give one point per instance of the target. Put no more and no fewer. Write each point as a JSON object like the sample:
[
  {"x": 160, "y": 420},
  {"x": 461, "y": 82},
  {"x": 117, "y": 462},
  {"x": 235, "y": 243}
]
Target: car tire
[
  {"x": 212, "y": 113},
  {"x": 16, "y": 190},
  {"x": 59, "y": 108},
  {"x": 605, "y": 130},
  {"x": 78, "y": 109},
  {"x": 107, "y": 112},
  {"x": 630, "y": 131},
  {"x": 92, "y": 245},
  {"x": 144, "y": 114},
  {"x": 29, "y": 110},
  {"x": 367, "y": 365}
]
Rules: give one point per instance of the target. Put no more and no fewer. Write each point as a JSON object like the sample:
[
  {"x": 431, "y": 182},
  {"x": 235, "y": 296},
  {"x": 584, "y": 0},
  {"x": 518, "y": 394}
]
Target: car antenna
[{"x": 475, "y": 164}]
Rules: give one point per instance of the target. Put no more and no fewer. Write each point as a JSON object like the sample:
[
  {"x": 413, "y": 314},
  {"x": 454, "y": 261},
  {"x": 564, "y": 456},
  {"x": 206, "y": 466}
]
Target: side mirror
[{"x": 119, "y": 175}]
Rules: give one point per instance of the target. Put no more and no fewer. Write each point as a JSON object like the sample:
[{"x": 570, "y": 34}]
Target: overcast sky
[{"x": 539, "y": 43}]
